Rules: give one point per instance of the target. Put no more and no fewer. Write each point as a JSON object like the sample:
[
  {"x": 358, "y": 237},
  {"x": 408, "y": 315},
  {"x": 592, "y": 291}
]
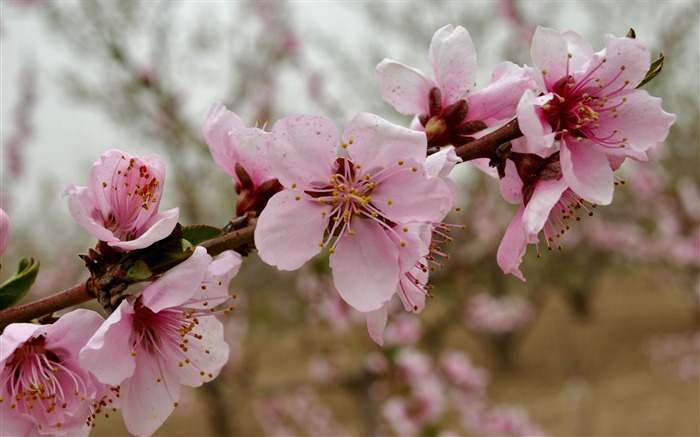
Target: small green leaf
[
  {"x": 18, "y": 284},
  {"x": 197, "y": 234},
  {"x": 654, "y": 70},
  {"x": 138, "y": 272}
]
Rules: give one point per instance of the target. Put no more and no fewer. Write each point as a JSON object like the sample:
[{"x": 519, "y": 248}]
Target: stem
[
  {"x": 485, "y": 147},
  {"x": 78, "y": 293},
  {"x": 75, "y": 295}
]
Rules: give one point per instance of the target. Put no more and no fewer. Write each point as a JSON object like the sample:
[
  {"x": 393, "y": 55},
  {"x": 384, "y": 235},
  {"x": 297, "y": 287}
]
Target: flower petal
[
  {"x": 375, "y": 143},
  {"x": 289, "y": 231},
  {"x": 453, "y": 58},
  {"x": 549, "y": 53},
  {"x": 406, "y": 195},
  {"x": 512, "y": 248},
  {"x": 108, "y": 352},
  {"x": 4, "y": 231},
  {"x": 147, "y": 402},
  {"x": 84, "y": 212},
  {"x": 302, "y": 150},
  {"x": 587, "y": 172},
  {"x": 511, "y": 185},
  {"x": 14, "y": 335},
  {"x": 412, "y": 295},
  {"x": 533, "y": 124},
  {"x": 403, "y": 87},
  {"x": 219, "y": 122},
  {"x": 376, "y": 322},
  {"x": 209, "y": 354},
  {"x": 366, "y": 266},
  {"x": 178, "y": 284},
  {"x": 73, "y": 330},
  {"x": 544, "y": 198},
  {"x": 623, "y": 63},
  {"x": 158, "y": 227},
  {"x": 497, "y": 102}
]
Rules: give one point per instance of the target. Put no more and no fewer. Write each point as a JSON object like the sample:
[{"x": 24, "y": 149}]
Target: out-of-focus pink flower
[
  {"x": 163, "y": 338},
  {"x": 499, "y": 421},
  {"x": 497, "y": 315},
  {"x": 4, "y": 231},
  {"x": 404, "y": 330},
  {"x": 375, "y": 200},
  {"x": 462, "y": 374},
  {"x": 591, "y": 107},
  {"x": 44, "y": 390},
  {"x": 447, "y": 113},
  {"x": 120, "y": 203}
]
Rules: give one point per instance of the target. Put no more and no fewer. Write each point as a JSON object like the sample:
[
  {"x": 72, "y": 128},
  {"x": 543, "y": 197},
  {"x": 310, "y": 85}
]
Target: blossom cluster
[{"x": 373, "y": 196}]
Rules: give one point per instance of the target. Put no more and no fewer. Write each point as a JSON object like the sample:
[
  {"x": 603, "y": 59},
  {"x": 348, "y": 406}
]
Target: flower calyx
[
  {"x": 447, "y": 126},
  {"x": 252, "y": 199},
  {"x": 533, "y": 168}
]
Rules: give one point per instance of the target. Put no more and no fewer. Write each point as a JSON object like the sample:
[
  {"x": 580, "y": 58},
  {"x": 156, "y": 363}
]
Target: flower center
[
  {"x": 579, "y": 104},
  {"x": 134, "y": 194},
  {"x": 38, "y": 381}
]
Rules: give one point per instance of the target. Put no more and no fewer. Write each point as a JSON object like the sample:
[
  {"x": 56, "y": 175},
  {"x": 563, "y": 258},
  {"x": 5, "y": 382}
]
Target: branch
[
  {"x": 75, "y": 295},
  {"x": 79, "y": 293},
  {"x": 485, "y": 147}
]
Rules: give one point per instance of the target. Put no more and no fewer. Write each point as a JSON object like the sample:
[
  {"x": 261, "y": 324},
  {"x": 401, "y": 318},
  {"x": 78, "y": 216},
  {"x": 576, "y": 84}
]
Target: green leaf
[
  {"x": 138, "y": 272},
  {"x": 18, "y": 284},
  {"x": 654, "y": 70},
  {"x": 197, "y": 234}
]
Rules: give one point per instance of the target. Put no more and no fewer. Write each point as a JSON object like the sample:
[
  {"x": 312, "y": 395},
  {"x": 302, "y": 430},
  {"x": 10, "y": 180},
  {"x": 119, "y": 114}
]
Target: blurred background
[{"x": 602, "y": 339}]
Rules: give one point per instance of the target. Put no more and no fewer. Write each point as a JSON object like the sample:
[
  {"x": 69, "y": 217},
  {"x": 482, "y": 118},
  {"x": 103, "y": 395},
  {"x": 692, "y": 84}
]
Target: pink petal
[
  {"x": 211, "y": 362},
  {"x": 417, "y": 238},
  {"x": 497, "y": 102},
  {"x": 533, "y": 123},
  {"x": 147, "y": 403},
  {"x": 376, "y": 143},
  {"x": 302, "y": 149},
  {"x": 289, "y": 231},
  {"x": 511, "y": 186},
  {"x": 250, "y": 150},
  {"x": 158, "y": 227},
  {"x": 579, "y": 48},
  {"x": 376, "y": 322},
  {"x": 482, "y": 164},
  {"x": 217, "y": 279},
  {"x": 13, "y": 337},
  {"x": 512, "y": 248},
  {"x": 640, "y": 119},
  {"x": 626, "y": 60},
  {"x": 73, "y": 330},
  {"x": 108, "y": 353},
  {"x": 13, "y": 423},
  {"x": 4, "y": 231},
  {"x": 409, "y": 195},
  {"x": 413, "y": 297},
  {"x": 404, "y": 88},
  {"x": 84, "y": 212},
  {"x": 544, "y": 198},
  {"x": 178, "y": 284},
  {"x": 587, "y": 172},
  {"x": 365, "y": 266},
  {"x": 453, "y": 58},
  {"x": 218, "y": 125},
  {"x": 441, "y": 163},
  {"x": 549, "y": 53}
]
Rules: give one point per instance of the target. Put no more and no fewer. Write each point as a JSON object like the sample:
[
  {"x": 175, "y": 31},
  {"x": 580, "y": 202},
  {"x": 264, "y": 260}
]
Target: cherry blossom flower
[
  {"x": 497, "y": 315},
  {"x": 590, "y": 106},
  {"x": 162, "y": 339},
  {"x": 4, "y": 231},
  {"x": 546, "y": 205},
  {"x": 375, "y": 200},
  {"x": 240, "y": 152},
  {"x": 43, "y": 387},
  {"x": 120, "y": 203},
  {"x": 446, "y": 111}
]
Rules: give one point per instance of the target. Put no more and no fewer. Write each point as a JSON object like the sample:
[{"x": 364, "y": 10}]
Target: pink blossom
[
  {"x": 498, "y": 315},
  {"x": 375, "y": 200},
  {"x": 120, "y": 203},
  {"x": 4, "y": 231},
  {"x": 462, "y": 374},
  {"x": 591, "y": 107},
  {"x": 43, "y": 388},
  {"x": 162, "y": 339},
  {"x": 549, "y": 207},
  {"x": 447, "y": 113}
]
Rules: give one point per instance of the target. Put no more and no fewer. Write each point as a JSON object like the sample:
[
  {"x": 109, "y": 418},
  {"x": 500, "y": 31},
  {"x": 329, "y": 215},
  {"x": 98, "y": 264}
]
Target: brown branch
[
  {"x": 485, "y": 147},
  {"x": 75, "y": 295}
]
